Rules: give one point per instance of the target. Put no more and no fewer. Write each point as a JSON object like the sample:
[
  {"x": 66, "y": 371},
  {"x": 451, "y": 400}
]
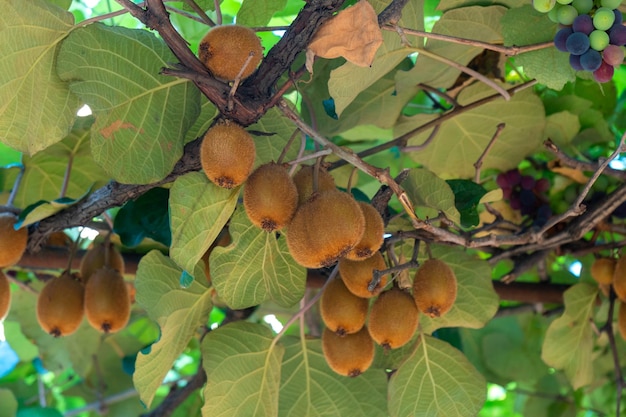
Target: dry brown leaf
[
  {"x": 571, "y": 173},
  {"x": 353, "y": 34}
]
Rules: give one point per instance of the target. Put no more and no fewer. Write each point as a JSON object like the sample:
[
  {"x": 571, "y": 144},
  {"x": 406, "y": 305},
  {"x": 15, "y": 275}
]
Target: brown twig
[
  {"x": 479, "y": 162},
  {"x": 608, "y": 329}
]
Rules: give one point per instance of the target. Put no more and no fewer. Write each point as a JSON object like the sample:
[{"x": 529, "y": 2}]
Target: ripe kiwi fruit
[
  {"x": 225, "y": 50},
  {"x": 107, "y": 302},
  {"x": 5, "y": 296},
  {"x": 342, "y": 312},
  {"x": 602, "y": 270},
  {"x": 393, "y": 319},
  {"x": 348, "y": 355},
  {"x": 12, "y": 242},
  {"x": 304, "y": 182},
  {"x": 270, "y": 197},
  {"x": 434, "y": 288},
  {"x": 621, "y": 318},
  {"x": 372, "y": 238},
  {"x": 60, "y": 306},
  {"x": 325, "y": 228},
  {"x": 95, "y": 257},
  {"x": 619, "y": 278},
  {"x": 357, "y": 275},
  {"x": 227, "y": 154}
]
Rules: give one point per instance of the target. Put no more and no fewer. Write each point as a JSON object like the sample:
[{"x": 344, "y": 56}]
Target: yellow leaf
[{"x": 353, "y": 34}]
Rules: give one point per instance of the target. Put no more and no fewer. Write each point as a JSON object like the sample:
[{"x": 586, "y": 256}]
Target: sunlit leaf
[
  {"x": 243, "y": 369},
  {"x": 178, "y": 311},
  {"x": 426, "y": 189},
  {"x": 258, "y": 12},
  {"x": 271, "y": 134}
]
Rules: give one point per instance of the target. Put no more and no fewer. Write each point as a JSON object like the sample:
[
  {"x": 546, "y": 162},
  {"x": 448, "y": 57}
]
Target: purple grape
[
  {"x": 618, "y": 17},
  {"x": 527, "y": 182},
  {"x": 502, "y": 181},
  {"x": 542, "y": 184},
  {"x": 591, "y": 60},
  {"x": 604, "y": 74},
  {"x": 577, "y": 43},
  {"x": 617, "y": 35},
  {"x": 574, "y": 62},
  {"x": 583, "y": 23},
  {"x": 561, "y": 37},
  {"x": 514, "y": 177},
  {"x": 515, "y": 202},
  {"x": 613, "y": 55},
  {"x": 527, "y": 200}
]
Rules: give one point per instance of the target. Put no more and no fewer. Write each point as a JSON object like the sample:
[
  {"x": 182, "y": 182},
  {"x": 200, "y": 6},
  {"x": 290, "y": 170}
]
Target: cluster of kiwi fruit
[
  {"x": 98, "y": 292},
  {"x": 12, "y": 246},
  {"x": 610, "y": 273},
  {"x": 354, "y": 325}
]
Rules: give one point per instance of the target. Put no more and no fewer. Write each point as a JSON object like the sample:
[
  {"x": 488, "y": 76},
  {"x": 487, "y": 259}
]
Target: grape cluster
[
  {"x": 591, "y": 32},
  {"x": 526, "y": 194}
]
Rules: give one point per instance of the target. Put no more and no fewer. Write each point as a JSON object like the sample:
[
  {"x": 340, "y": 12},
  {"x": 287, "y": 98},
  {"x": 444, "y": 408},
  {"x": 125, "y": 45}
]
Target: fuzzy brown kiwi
[
  {"x": 342, "y": 312},
  {"x": 434, "y": 288},
  {"x": 94, "y": 259},
  {"x": 357, "y": 275},
  {"x": 225, "y": 50},
  {"x": 621, "y": 319},
  {"x": 325, "y": 228},
  {"x": 602, "y": 270},
  {"x": 372, "y": 238},
  {"x": 227, "y": 154},
  {"x": 393, "y": 319},
  {"x": 348, "y": 355},
  {"x": 107, "y": 302},
  {"x": 60, "y": 306},
  {"x": 12, "y": 242},
  {"x": 304, "y": 182},
  {"x": 270, "y": 197},
  {"x": 5, "y": 296},
  {"x": 619, "y": 278}
]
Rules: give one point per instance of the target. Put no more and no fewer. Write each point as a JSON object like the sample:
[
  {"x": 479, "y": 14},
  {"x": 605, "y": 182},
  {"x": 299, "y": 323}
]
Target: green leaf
[
  {"x": 199, "y": 210},
  {"x": 179, "y": 312},
  {"x": 271, "y": 134},
  {"x": 39, "y": 412},
  {"x": 258, "y": 12},
  {"x": 467, "y": 196},
  {"x": 457, "y": 4},
  {"x": 562, "y": 127},
  {"x": 208, "y": 112},
  {"x": 9, "y": 403},
  {"x": 476, "y": 301},
  {"x": 141, "y": 117},
  {"x": 437, "y": 380},
  {"x": 568, "y": 344},
  {"x": 310, "y": 388},
  {"x": 425, "y": 188},
  {"x": 243, "y": 368},
  {"x": 147, "y": 216},
  {"x": 461, "y": 140},
  {"x": 42, "y": 209},
  {"x": 37, "y": 108},
  {"x": 257, "y": 267},
  {"x": 526, "y": 26},
  {"x": 24, "y": 348}
]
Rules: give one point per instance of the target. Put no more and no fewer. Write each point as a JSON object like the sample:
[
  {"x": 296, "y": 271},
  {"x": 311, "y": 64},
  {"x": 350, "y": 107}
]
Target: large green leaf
[
  {"x": 178, "y": 311},
  {"x": 310, "y": 388},
  {"x": 36, "y": 107},
  {"x": 568, "y": 344},
  {"x": 243, "y": 368},
  {"x": 257, "y": 267},
  {"x": 476, "y": 301},
  {"x": 461, "y": 140},
  {"x": 141, "y": 117},
  {"x": 271, "y": 133},
  {"x": 526, "y": 26},
  {"x": 426, "y": 189},
  {"x": 437, "y": 381},
  {"x": 9, "y": 403},
  {"x": 258, "y": 12},
  {"x": 198, "y": 211}
]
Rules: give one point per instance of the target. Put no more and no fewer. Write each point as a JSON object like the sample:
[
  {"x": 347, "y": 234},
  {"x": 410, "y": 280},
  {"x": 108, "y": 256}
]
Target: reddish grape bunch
[
  {"x": 526, "y": 194},
  {"x": 591, "y": 32}
]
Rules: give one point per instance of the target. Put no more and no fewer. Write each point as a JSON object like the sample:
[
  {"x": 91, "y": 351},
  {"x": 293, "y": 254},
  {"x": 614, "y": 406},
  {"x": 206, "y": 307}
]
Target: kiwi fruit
[
  {"x": 5, "y": 296},
  {"x": 304, "y": 182},
  {"x": 12, "y": 242},
  {"x": 227, "y": 154},
  {"x": 60, "y": 306},
  {"x": 107, "y": 302},
  {"x": 348, "y": 355},
  {"x": 434, "y": 288},
  {"x": 225, "y": 50},
  {"x": 393, "y": 319},
  {"x": 619, "y": 278},
  {"x": 342, "y": 312},
  {"x": 372, "y": 238},
  {"x": 602, "y": 270},
  {"x": 95, "y": 257},
  {"x": 357, "y": 275},
  {"x": 325, "y": 228},
  {"x": 270, "y": 197},
  {"x": 621, "y": 319}
]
